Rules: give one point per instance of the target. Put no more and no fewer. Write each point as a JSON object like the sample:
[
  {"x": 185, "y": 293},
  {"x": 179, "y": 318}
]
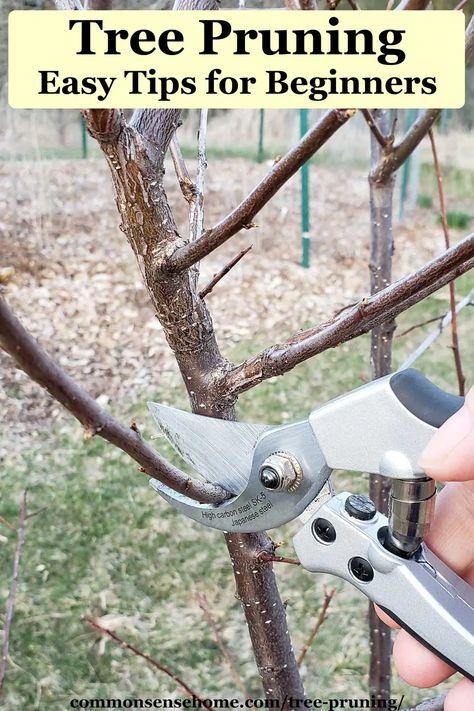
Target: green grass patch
[
  {"x": 457, "y": 220},
  {"x": 458, "y": 184}
]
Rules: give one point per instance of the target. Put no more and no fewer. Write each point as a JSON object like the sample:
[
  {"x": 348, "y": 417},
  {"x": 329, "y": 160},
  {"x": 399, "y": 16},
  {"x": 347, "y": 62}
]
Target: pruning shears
[{"x": 277, "y": 473}]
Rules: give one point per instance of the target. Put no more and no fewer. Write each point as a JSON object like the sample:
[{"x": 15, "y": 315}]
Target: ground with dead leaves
[{"x": 77, "y": 286}]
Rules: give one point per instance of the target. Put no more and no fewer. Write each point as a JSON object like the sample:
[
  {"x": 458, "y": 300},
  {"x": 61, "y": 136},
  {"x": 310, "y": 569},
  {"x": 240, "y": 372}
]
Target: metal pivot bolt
[{"x": 281, "y": 471}]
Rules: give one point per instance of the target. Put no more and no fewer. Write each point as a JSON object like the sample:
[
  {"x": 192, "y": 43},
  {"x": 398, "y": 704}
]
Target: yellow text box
[{"x": 236, "y": 59}]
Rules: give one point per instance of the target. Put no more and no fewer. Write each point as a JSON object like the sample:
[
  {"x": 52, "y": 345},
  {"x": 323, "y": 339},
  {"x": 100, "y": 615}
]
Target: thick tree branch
[
  {"x": 361, "y": 318},
  {"x": 242, "y": 216},
  {"x": 380, "y": 267},
  {"x": 103, "y": 124},
  {"x": 392, "y": 160},
  {"x": 258, "y": 592},
  {"x": 35, "y": 362}
]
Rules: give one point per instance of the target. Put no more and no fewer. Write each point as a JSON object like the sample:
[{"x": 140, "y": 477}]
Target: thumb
[{"x": 449, "y": 455}]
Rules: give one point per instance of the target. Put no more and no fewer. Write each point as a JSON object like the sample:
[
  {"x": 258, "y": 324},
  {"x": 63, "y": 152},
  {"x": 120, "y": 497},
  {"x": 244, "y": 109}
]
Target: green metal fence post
[
  {"x": 410, "y": 117},
  {"x": 305, "y": 237},
  {"x": 84, "y": 145}
]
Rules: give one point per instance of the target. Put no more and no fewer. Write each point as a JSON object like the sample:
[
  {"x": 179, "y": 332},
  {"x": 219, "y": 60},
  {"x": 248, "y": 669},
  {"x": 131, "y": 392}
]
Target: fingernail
[{"x": 449, "y": 436}]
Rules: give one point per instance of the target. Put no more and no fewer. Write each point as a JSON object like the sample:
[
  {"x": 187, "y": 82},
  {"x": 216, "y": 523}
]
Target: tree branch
[
  {"x": 372, "y": 124},
  {"x": 138, "y": 653},
  {"x": 35, "y": 362},
  {"x": 452, "y": 291},
  {"x": 470, "y": 41},
  {"x": 10, "y": 606},
  {"x": 431, "y": 338},
  {"x": 222, "y": 272},
  {"x": 196, "y": 216},
  {"x": 413, "y": 5},
  {"x": 272, "y": 558},
  {"x": 184, "y": 179},
  {"x": 328, "y": 596},
  {"x": 202, "y": 602},
  {"x": 380, "y": 267},
  {"x": 369, "y": 312},
  {"x": 241, "y": 217},
  {"x": 103, "y": 124},
  {"x": 392, "y": 160}
]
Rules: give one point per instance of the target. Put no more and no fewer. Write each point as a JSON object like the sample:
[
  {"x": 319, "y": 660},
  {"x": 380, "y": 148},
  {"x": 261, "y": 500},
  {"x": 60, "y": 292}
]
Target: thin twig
[
  {"x": 420, "y": 325},
  {"x": 431, "y": 338},
  {"x": 151, "y": 660},
  {"x": 5, "y": 523},
  {"x": 196, "y": 216},
  {"x": 36, "y": 513},
  {"x": 461, "y": 4},
  {"x": 35, "y": 362},
  {"x": 271, "y": 558},
  {"x": 328, "y": 596},
  {"x": 202, "y": 602},
  {"x": 10, "y": 606},
  {"x": 372, "y": 124},
  {"x": 452, "y": 289},
  {"x": 368, "y": 312},
  {"x": 222, "y": 272},
  {"x": 184, "y": 179}
]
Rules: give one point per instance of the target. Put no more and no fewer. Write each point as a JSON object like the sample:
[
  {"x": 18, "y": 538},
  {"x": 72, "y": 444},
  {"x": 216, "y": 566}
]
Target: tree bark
[
  {"x": 381, "y": 251},
  {"x": 136, "y": 164}
]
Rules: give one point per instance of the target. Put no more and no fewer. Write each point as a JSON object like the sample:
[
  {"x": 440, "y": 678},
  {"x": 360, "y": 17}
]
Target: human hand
[{"x": 449, "y": 457}]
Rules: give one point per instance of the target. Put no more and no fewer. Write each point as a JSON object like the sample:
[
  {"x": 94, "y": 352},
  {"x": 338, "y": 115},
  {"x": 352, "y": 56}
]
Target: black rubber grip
[
  {"x": 424, "y": 399},
  {"x": 427, "y": 644}
]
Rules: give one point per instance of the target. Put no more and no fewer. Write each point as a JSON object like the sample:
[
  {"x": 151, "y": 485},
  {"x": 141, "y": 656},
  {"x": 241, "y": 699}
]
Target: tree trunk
[
  {"x": 148, "y": 223},
  {"x": 381, "y": 251}
]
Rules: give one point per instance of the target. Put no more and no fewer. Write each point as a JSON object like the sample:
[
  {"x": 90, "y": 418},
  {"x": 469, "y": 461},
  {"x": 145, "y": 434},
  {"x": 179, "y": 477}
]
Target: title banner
[{"x": 240, "y": 59}]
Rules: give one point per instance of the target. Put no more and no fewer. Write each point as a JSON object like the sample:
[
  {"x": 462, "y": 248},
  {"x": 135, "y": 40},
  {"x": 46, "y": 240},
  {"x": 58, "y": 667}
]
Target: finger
[
  {"x": 451, "y": 536},
  {"x": 416, "y": 664},
  {"x": 452, "y": 533},
  {"x": 460, "y": 697},
  {"x": 450, "y": 453},
  {"x": 385, "y": 618}
]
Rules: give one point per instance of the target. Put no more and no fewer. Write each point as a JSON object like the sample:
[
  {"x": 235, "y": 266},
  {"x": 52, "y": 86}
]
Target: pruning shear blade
[{"x": 220, "y": 451}]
